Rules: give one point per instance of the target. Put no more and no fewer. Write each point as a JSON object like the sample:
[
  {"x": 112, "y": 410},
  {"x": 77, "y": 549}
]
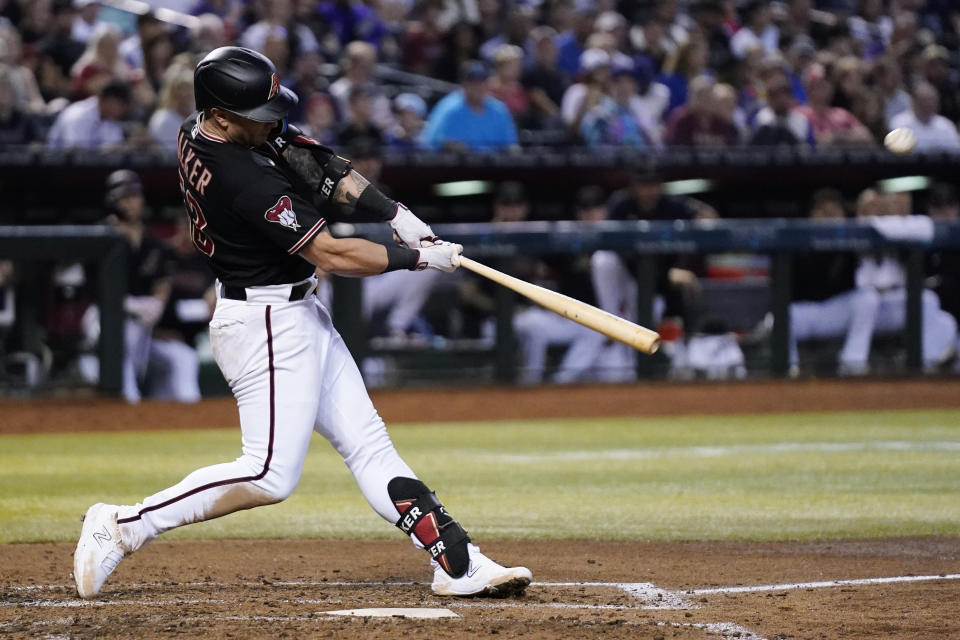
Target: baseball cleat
[
  {"x": 99, "y": 550},
  {"x": 484, "y": 578}
]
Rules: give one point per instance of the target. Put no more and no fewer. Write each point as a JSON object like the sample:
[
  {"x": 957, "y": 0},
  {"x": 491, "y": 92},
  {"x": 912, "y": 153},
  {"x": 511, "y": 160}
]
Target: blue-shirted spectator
[
  {"x": 469, "y": 118},
  {"x": 351, "y": 21},
  {"x": 572, "y": 43},
  {"x": 93, "y": 123}
]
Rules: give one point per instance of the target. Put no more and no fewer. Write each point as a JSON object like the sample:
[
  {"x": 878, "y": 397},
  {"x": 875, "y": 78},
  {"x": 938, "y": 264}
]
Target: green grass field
[{"x": 772, "y": 477}]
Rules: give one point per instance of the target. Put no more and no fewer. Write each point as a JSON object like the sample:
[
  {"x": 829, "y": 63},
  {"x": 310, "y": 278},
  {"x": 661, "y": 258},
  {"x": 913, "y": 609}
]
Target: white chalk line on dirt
[
  {"x": 792, "y": 586},
  {"x": 715, "y": 451}
]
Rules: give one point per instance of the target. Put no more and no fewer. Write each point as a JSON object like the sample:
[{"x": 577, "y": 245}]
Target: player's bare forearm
[{"x": 352, "y": 257}]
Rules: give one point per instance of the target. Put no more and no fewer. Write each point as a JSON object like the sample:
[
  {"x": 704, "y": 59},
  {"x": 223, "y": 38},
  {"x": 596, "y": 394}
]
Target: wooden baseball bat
[{"x": 640, "y": 338}]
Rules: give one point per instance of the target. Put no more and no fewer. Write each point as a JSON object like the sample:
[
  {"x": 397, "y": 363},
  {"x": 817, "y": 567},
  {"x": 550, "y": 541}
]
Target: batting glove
[
  {"x": 412, "y": 231},
  {"x": 444, "y": 256}
]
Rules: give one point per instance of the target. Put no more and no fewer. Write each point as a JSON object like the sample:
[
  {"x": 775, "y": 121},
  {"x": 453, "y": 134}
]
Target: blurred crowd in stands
[{"x": 496, "y": 74}]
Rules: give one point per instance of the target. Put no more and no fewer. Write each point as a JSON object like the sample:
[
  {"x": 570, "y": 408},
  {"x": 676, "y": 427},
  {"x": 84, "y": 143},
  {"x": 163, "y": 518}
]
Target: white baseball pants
[{"x": 291, "y": 375}]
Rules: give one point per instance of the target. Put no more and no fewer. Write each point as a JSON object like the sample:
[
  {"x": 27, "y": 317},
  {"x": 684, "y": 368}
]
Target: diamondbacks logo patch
[
  {"x": 274, "y": 86},
  {"x": 282, "y": 213}
]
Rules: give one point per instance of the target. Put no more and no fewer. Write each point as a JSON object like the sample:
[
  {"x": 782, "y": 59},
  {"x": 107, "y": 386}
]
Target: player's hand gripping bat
[{"x": 640, "y": 338}]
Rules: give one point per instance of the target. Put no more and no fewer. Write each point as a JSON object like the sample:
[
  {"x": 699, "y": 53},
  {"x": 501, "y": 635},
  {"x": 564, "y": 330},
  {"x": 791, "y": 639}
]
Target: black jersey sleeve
[{"x": 277, "y": 208}]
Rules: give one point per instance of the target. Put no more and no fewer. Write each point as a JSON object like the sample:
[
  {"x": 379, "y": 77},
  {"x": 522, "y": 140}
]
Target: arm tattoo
[{"x": 349, "y": 189}]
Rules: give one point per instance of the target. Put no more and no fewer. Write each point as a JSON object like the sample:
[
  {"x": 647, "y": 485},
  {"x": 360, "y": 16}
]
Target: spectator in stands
[
  {"x": 711, "y": 29},
  {"x": 469, "y": 118},
  {"x": 934, "y": 132},
  {"x": 572, "y": 44},
  {"x": 618, "y": 119},
  {"x": 727, "y": 109},
  {"x": 320, "y": 121},
  {"x": 848, "y": 80},
  {"x": 351, "y": 20},
  {"x": 653, "y": 96},
  {"x": 16, "y": 125},
  {"x": 422, "y": 38},
  {"x": 277, "y": 22},
  {"x": 515, "y": 31},
  {"x": 888, "y": 80},
  {"x": 132, "y": 48},
  {"x": 867, "y": 107},
  {"x": 411, "y": 111},
  {"x": 885, "y": 274},
  {"x": 505, "y": 84},
  {"x": 582, "y": 96},
  {"x": 936, "y": 70},
  {"x": 88, "y": 11},
  {"x": 159, "y": 52},
  {"x": 832, "y": 126},
  {"x": 93, "y": 123},
  {"x": 461, "y": 43},
  {"x": 26, "y": 91},
  {"x": 757, "y": 32},
  {"x": 779, "y": 123},
  {"x": 696, "y": 124},
  {"x": 358, "y": 62},
  {"x": 827, "y": 303},
  {"x": 100, "y": 63},
  {"x": 358, "y": 116},
  {"x": 58, "y": 52},
  {"x": 688, "y": 62},
  {"x": 544, "y": 82},
  {"x": 615, "y": 25},
  {"x": 176, "y": 103},
  {"x": 207, "y": 34},
  {"x": 871, "y": 27}
]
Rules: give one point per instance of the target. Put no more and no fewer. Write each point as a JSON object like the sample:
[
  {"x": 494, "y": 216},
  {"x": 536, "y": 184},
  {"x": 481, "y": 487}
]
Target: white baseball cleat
[
  {"x": 484, "y": 578},
  {"x": 99, "y": 550}
]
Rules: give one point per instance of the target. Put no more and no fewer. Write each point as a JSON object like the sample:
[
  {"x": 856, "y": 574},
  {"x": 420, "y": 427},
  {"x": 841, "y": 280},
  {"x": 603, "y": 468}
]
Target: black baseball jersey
[{"x": 249, "y": 213}]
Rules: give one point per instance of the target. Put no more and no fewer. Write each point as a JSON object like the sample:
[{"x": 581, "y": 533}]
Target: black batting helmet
[{"x": 243, "y": 82}]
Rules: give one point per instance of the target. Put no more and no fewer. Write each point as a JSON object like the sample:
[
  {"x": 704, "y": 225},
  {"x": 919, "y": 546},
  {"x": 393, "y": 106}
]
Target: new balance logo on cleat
[{"x": 102, "y": 536}]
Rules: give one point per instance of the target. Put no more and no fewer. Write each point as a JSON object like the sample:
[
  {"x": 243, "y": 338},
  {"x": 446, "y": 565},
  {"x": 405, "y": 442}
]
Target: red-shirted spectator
[{"x": 696, "y": 124}]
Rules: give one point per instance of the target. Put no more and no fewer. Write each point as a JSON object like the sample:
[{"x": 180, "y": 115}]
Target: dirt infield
[
  {"x": 282, "y": 589},
  {"x": 53, "y": 415},
  {"x": 891, "y": 589}
]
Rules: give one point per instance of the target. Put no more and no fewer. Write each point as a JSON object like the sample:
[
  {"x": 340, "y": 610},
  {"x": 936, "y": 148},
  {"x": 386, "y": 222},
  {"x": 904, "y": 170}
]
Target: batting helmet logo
[
  {"x": 274, "y": 86},
  {"x": 282, "y": 213}
]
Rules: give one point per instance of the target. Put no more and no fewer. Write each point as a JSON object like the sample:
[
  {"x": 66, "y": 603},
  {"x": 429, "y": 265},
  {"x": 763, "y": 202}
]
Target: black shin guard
[{"x": 422, "y": 515}]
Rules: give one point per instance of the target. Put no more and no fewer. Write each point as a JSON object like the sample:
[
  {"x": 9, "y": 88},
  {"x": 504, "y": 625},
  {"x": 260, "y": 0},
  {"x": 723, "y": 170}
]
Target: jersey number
[{"x": 197, "y": 224}]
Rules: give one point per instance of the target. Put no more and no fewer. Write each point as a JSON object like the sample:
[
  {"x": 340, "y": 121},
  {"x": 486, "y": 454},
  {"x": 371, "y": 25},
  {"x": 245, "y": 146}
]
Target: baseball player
[{"x": 261, "y": 224}]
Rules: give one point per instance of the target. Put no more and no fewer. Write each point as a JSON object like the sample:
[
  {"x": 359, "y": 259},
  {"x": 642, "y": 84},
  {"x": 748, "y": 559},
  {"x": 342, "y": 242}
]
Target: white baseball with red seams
[{"x": 269, "y": 348}]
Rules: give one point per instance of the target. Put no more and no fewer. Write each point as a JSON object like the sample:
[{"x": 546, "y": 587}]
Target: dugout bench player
[{"x": 256, "y": 193}]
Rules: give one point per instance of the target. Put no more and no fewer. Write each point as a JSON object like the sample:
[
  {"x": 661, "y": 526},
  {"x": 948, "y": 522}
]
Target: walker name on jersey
[{"x": 192, "y": 170}]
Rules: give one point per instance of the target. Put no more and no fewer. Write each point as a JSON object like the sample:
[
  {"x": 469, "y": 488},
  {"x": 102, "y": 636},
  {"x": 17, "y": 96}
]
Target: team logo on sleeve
[
  {"x": 274, "y": 86},
  {"x": 282, "y": 213}
]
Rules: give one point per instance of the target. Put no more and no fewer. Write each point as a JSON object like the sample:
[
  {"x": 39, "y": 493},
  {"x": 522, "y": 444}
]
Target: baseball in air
[{"x": 901, "y": 140}]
